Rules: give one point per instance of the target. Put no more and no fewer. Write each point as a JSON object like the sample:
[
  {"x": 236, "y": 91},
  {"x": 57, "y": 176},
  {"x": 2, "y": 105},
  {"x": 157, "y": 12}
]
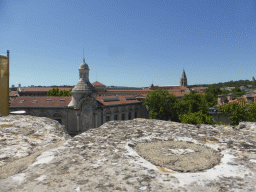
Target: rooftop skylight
[
  {"x": 130, "y": 98},
  {"x": 110, "y": 99}
]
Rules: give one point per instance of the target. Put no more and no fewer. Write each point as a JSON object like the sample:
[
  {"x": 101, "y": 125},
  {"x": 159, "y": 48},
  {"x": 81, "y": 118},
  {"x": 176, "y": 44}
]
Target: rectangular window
[
  {"x": 129, "y": 115},
  {"x": 116, "y": 117},
  {"x": 107, "y": 118},
  {"x": 123, "y": 116},
  {"x": 135, "y": 114}
]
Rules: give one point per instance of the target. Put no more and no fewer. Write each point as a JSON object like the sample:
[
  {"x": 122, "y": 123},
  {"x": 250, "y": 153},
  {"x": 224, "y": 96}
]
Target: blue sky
[{"x": 128, "y": 43}]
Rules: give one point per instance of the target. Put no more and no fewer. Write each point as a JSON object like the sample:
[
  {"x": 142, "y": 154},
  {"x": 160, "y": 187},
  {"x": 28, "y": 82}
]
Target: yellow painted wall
[{"x": 4, "y": 85}]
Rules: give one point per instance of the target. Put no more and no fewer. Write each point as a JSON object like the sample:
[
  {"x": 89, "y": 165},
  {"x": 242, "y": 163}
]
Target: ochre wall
[{"x": 4, "y": 85}]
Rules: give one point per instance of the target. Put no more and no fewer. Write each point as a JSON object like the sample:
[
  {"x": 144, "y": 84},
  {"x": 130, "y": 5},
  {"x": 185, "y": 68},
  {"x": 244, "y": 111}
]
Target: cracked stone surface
[
  {"x": 179, "y": 156},
  {"x": 135, "y": 155}
]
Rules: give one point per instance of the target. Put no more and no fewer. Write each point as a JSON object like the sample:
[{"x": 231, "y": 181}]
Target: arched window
[
  {"x": 42, "y": 115},
  {"x": 135, "y": 114},
  {"x": 108, "y": 112},
  {"x": 57, "y": 115},
  {"x": 129, "y": 115},
  {"x": 116, "y": 110}
]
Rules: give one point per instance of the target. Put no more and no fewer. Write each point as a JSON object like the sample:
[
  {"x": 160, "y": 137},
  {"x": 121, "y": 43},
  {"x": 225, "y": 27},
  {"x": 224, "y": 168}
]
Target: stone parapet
[{"x": 140, "y": 155}]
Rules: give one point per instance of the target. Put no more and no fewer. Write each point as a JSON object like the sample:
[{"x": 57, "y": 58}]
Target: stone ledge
[{"x": 105, "y": 159}]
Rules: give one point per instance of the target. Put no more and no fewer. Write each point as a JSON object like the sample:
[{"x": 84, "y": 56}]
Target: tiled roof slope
[
  {"x": 236, "y": 100},
  {"x": 169, "y": 87},
  {"x": 41, "y": 88},
  {"x": 114, "y": 90},
  {"x": 41, "y": 101},
  {"x": 175, "y": 93},
  {"x": 97, "y": 83},
  {"x": 120, "y": 97},
  {"x": 55, "y": 101},
  {"x": 13, "y": 93}
]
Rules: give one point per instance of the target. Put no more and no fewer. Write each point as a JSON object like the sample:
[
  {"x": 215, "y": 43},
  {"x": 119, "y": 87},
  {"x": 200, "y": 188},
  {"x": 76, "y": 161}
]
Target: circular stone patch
[{"x": 179, "y": 155}]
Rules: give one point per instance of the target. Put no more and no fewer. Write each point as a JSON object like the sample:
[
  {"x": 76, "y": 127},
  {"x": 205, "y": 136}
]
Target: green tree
[
  {"x": 196, "y": 118},
  {"x": 237, "y": 110},
  {"x": 56, "y": 92},
  {"x": 211, "y": 99},
  {"x": 193, "y": 102},
  {"x": 237, "y": 92},
  {"x": 214, "y": 90},
  {"x": 161, "y": 105},
  {"x": 251, "y": 112}
]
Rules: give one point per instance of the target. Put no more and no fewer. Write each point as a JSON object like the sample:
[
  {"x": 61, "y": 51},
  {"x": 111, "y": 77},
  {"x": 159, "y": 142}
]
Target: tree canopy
[
  {"x": 161, "y": 105},
  {"x": 240, "y": 110},
  {"x": 166, "y": 106},
  {"x": 56, "y": 92}
]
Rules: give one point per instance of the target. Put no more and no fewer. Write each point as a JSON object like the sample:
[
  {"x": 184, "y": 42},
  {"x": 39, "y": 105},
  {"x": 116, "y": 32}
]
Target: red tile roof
[
  {"x": 134, "y": 90},
  {"x": 41, "y": 101},
  {"x": 41, "y": 88},
  {"x": 120, "y": 97},
  {"x": 238, "y": 100},
  {"x": 97, "y": 83},
  {"x": 170, "y": 87},
  {"x": 13, "y": 93},
  {"x": 55, "y": 101}
]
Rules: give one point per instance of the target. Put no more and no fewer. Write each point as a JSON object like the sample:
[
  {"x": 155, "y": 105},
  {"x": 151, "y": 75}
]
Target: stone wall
[{"x": 132, "y": 155}]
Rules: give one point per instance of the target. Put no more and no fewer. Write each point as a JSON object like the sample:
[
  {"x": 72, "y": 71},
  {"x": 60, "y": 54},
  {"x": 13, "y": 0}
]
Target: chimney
[
  {"x": 230, "y": 97},
  {"x": 221, "y": 99},
  {"x": 8, "y": 53}
]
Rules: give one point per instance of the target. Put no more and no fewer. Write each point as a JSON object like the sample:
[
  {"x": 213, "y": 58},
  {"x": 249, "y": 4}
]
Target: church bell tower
[{"x": 183, "y": 79}]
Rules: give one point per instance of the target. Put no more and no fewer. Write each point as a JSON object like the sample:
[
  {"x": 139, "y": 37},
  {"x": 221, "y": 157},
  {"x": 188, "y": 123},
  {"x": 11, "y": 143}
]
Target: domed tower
[
  {"x": 83, "y": 87},
  {"x": 83, "y": 99},
  {"x": 253, "y": 79},
  {"x": 84, "y": 71},
  {"x": 183, "y": 79}
]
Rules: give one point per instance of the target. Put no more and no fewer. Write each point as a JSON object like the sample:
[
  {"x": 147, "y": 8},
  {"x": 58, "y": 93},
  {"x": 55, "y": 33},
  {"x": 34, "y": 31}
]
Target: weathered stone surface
[
  {"x": 112, "y": 158},
  {"x": 23, "y": 138}
]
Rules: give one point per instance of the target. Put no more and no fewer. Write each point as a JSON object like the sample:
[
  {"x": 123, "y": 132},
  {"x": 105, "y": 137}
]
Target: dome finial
[{"x": 83, "y": 56}]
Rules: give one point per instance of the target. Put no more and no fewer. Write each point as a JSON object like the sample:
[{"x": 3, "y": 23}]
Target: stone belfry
[
  {"x": 183, "y": 79},
  {"x": 83, "y": 87},
  {"x": 83, "y": 98}
]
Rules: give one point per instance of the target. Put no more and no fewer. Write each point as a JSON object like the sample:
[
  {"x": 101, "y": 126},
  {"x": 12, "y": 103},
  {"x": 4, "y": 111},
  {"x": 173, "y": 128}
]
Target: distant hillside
[{"x": 229, "y": 84}]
